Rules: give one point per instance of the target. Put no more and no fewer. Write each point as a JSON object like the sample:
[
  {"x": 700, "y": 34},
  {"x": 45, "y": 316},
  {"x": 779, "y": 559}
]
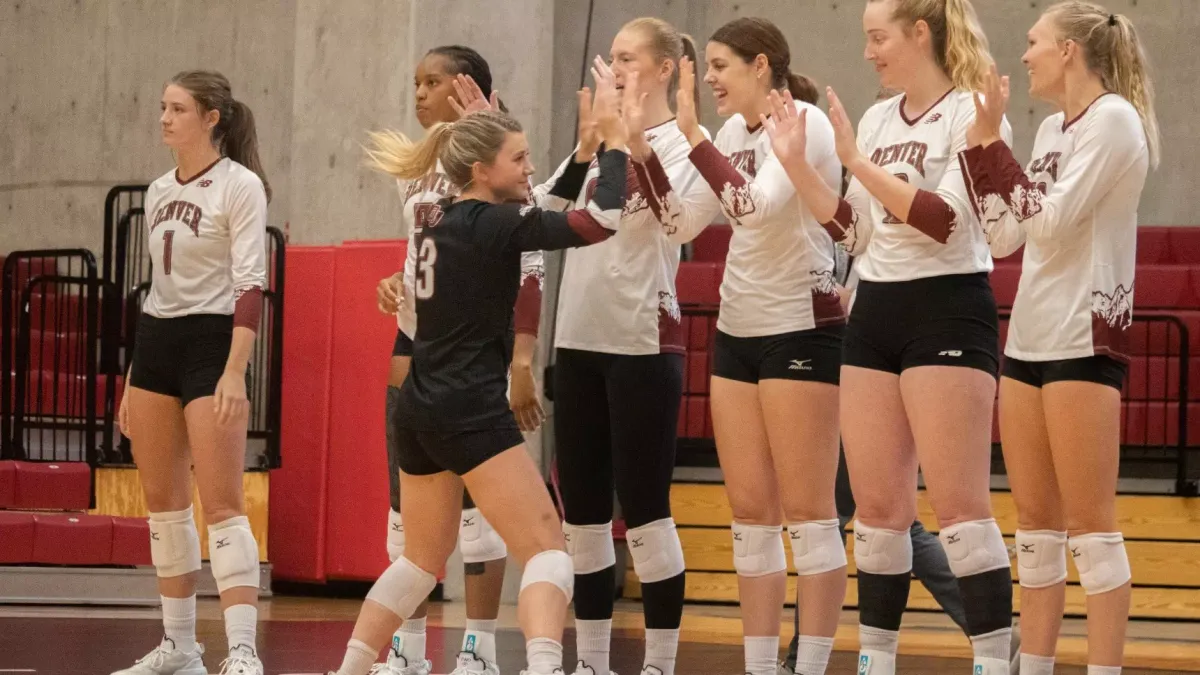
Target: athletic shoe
[
  {"x": 398, "y": 665},
  {"x": 167, "y": 660},
  {"x": 583, "y": 669},
  {"x": 470, "y": 664},
  {"x": 242, "y": 660}
]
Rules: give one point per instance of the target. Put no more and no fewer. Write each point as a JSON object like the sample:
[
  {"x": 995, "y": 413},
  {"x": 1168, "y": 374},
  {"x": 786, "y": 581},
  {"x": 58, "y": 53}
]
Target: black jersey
[{"x": 466, "y": 283}]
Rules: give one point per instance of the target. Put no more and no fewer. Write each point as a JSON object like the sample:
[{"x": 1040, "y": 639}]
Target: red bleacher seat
[
  {"x": 1164, "y": 287},
  {"x": 60, "y": 486},
  {"x": 1153, "y": 245},
  {"x": 28, "y": 268},
  {"x": 1157, "y": 378},
  {"x": 57, "y": 351},
  {"x": 1161, "y": 338},
  {"x": 700, "y": 332},
  {"x": 1157, "y": 423},
  {"x": 695, "y": 378},
  {"x": 692, "y": 416},
  {"x": 1005, "y": 278},
  {"x": 8, "y": 484},
  {"x": 699, "y": 283},
  {"x": 53, "y": 397},
  {"x": 16, "y": 533},
  {"x": 1185, "y": 244},
  {"x": 131, "y": 541},
  {"x": 73, "y": 539},
  {"x": 712, "y": 244}
]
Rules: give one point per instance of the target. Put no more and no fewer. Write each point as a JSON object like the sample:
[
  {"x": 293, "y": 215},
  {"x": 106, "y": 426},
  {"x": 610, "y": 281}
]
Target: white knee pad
[
  {"x": 974, "y": 547},
  {"x": 479, "y": 541},
  {"x": 402, "y": 587},
  {"x": 880, "y": 551},
  {"x": 395, "y": 536},
  {"x": 817, "y": 546},
  {"x": 551, "y": 567},
  {"x": 758, "y": 550},
  {"x": 233, "y": 553},
  {"x": 1101, "y": 560},
  {"x": 656, "y": 550},
  {"x": 590, "y": 547},
  {"x": 174, "y": 543},
  {"x": 1041, "y": 558}
]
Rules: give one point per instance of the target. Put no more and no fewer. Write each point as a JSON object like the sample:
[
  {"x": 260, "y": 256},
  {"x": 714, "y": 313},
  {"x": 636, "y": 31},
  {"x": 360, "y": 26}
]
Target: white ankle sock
[
  {"x": 241, "y": 626},
  {"x": 812, "y": 657},
  {"x": 359, "y": 659},
  {"x": 1037, "y": 665},
  {"x": 994, "y": 645},
  {"x": 877, "y": 656},
  {"x": 762, "y": 655},
  {"x": 592, "y": 642},
  {"x": 179, "y": 622},
  {"x": 544, "y": 656},
  {"x": 480, "y": 639},
  {"x": 662, "y": 644},
  {"x": 412, "y": 640},
  {"x": 1102, "y": 670}
]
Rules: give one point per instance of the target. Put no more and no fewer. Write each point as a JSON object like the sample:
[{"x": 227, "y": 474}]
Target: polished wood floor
[{"x": 306, "y": 635}]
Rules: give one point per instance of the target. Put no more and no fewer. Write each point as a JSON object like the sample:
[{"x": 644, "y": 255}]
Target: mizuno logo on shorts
[
  {"x": 950, "y": 352},
  {"x": 800, "y": 364}
]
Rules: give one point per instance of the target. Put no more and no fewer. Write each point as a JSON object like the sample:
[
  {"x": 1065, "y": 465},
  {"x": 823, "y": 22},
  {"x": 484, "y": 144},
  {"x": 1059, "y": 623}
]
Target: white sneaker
[
  {"x": 582, "y": 668},
  {"x": 398, "y": 665},
  {"x": 166, "y": 660},
  {"x": 470, "y": 664},
  {"x": 242, "y": 660}
]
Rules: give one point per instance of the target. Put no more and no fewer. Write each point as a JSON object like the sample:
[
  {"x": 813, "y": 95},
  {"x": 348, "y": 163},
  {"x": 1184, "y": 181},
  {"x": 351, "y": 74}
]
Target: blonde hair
[
  {"x": 477, "y": 137},
  {"x": 959, "y": 43},
  {"x": 1113, "y": 52},
  {"x": 667, "y": 44}
]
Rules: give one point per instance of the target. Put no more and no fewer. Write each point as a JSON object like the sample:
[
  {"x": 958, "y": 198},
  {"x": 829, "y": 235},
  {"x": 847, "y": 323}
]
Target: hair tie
[{"x": 1112, "y": 19}]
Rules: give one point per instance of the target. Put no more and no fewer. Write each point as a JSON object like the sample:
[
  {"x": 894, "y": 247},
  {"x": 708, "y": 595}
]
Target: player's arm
[
  {"x": 1110, "y": 144},
  {"x": 562, "y": 189},
  {"x": 248, "y": 253},
  {"x": 678, "y": 197},
  {"x": 1003, "y": 232}
]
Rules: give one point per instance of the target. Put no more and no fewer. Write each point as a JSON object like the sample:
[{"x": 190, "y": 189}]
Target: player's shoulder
[
  {"x": 882, "y": 110},
  {"x": 668, "y": 141},
  {"x": 238, "y": 175},
  {"x": 733, "y": 132},
  {"x": 1114, "y": 110}
]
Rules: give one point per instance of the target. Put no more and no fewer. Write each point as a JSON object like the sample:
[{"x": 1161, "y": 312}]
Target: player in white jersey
[
  {"x": 778, "y": 345},
  {"x": 188, "y": 378},
  {"x": 618, "y": 373},
  {"x": 920, "y": 358},
  {"x": 1075, "y": 209},
  {"x": 452, "y": 80}
]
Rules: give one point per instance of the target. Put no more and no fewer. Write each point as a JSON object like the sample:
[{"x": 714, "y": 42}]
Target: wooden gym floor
[{"x": 307, "y": 635}]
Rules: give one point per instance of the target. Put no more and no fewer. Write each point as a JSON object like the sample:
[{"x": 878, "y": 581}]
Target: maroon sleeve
[
  {"x": 932, "y": 216},
  {"x": 715, "y": 167},
  {"x": 1005, "y": 177},
  {"x": 247, "y": 308},
  {"x": 654, "y": 183},
  {"x": 843, "y": 219},
  {"x": 527, "y": 313},
  {"x": 587, "y": 227}
]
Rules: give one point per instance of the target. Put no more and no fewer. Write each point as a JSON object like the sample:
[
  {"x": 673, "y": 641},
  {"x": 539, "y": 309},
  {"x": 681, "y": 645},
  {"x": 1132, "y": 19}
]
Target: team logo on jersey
[
  {"x": 204, "y": 183},
  {"x": 911, "y": 153},
  {"x": 427, "y": 215},
  {"x": 737, "y": 200},
  {"x": 185, "y": 212},
  {"x": 935, "y": 117},
  {"x": 1048, "y": 164},
  {"x": 743, "y": 160},
  {"x": 1115, "y": 310}
]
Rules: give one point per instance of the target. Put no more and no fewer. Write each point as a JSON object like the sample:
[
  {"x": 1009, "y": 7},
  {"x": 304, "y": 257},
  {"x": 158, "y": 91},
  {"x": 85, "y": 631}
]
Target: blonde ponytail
[
  {"x": 959, "y": 43},
  {"x": 477, "y": 137},
  {"x": 1113, "y": 52},
  {"x": 393, "y": 153}
]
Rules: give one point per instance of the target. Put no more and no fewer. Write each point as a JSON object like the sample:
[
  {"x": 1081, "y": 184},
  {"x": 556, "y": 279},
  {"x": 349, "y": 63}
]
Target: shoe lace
[
  {"x": 470, "y": 664},
  {"x": 155, "y": 658}
]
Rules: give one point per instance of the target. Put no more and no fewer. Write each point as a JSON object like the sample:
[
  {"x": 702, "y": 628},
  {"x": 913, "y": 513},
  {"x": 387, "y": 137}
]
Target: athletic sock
[
  {"x": 662, "y": 645},
  {"x": 812, "y": 656},
  {"x": 592, "y": 643},
  {"x": 544, "y": 656},
  {"x": 480, "y": 639},
  {"x": 762, "y": 655},
  {"x": 1102, "y": 670},
  {"x": 412, "y": 640},
  {"x": 877, "y": 655},
  {"x": 359, "y": 659},
  {"x": 179, "y": 622},
  {"x": 1037, "y": 665},
  {"x": 241, "y": 626}
]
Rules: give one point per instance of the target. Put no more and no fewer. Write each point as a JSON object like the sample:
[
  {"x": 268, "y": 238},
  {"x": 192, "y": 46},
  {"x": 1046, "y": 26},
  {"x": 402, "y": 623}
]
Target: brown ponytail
[
  {"x": 803, "y": 88},
  {"x": 750, "y": 36},
  {"x": 689, "y": 50},
  {"x": 235, "y": 135}
]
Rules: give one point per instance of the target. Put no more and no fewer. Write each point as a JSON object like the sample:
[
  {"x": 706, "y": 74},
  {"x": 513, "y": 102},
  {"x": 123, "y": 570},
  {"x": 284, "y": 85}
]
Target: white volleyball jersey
[
  {"x": 208, "y": 240},
  {"x": 421, "y": 194},
  {"x": 779, "y": 271},
  {"x": 923, "y": 152},
  {"x": 618, "y": 297},
  {"x": 1075, "y": 210}
]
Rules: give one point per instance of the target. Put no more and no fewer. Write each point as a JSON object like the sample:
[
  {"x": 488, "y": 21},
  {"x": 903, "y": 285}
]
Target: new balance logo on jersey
[
  {"x": 800, "y": 364},
  {"x": 933, "y": 118},
  {"x": 204, "y": 183},
  {"x": 954, "y": 353}
]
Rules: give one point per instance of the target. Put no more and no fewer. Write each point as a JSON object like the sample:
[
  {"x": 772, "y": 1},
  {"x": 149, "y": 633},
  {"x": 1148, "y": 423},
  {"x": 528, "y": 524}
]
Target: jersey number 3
[{"x": 426, "y": 256}]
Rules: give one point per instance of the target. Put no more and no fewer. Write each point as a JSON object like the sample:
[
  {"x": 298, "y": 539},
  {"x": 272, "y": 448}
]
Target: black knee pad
[
  {"x": 393, "y": 405},
  {"x": 662, "y": 602},
  {"x": 987, "y": 600},
  {"x": 595, "y": 594},
  {"x": 882, "y": 599}
]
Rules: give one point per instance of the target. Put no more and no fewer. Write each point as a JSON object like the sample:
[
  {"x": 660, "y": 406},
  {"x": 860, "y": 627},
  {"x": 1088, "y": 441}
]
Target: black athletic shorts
[
  {"x": 424, "y": 453},
  {"x": 808, "y": 356},
  {"x": 183, "y": 357},
  {"x": 1098, "y": 369},
  {"x": 946, "y": 320},
  {"x": 403, "y": 345}
]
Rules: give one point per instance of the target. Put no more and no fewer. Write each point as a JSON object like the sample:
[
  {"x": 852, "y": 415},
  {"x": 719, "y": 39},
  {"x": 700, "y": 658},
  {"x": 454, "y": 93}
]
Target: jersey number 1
[
  {"x": 168, "y": 239},
  {"x": 426, "y": 256}
]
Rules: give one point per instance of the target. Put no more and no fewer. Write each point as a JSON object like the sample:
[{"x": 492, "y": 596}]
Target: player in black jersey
[{"x": 456, "y": 423}]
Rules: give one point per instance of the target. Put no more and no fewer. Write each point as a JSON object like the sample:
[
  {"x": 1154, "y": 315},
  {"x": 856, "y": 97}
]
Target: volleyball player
[
  {"x": 455, "y": 423},
  {"x": 920, "y": 359},
  {"x": 618, "y": 374},
  {"x": 185, "y": 408},
  {"x": 778, "y": 345},
  {"x": 452, "y": 80},
  {"x": 1075, "y": 210}
]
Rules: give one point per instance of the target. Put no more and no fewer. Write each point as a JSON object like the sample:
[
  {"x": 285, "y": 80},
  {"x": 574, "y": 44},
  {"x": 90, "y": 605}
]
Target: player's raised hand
[
  {"x": 469, "y": 98},
  {"x": 787, "y": 130},
  {"x": 990, "y": 105},
  {"x": 606, "y": 111},
  {"x": 687, "y": 118},
  {"x": 843, "y": 130},
  {"x": 633, "y": 107},
  {"x": 589, "y": 136}
]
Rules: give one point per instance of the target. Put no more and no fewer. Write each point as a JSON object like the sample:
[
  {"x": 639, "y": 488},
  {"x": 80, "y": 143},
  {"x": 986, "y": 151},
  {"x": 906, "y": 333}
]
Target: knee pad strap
[
  {"x": 551, "y": 567},
  {"x": 174, "y": 543},
  {"x": 395, "y": 536},
  {"x": 758, "y": 550},
  {"x": 817, "y": 547},
  {"x": 656, "y": 551},
  {"x": 233, "y": 553},
  {"x": 974, "y": 547},
  {"x": 402, "y": 587},
  {"x": 590, "y": 547},
  {"x": 478, "y": 540},
  {"x": 880, "y": 551},
  {"x": 1041, "y": 558},
  {"x": 1102, "y": 561}
]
